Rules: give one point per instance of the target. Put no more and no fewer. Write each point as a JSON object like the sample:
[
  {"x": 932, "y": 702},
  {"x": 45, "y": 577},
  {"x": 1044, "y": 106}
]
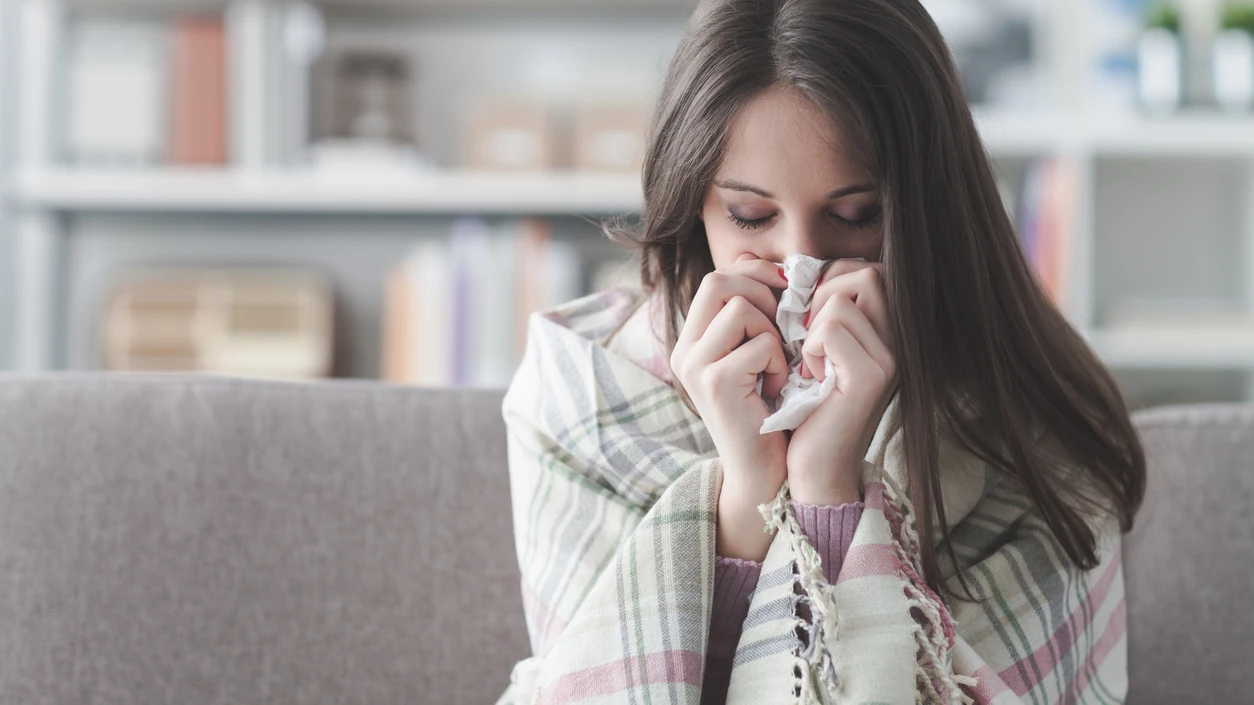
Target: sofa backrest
[
  {"x": 175, "y": 540},
  {"x": 1189, "y": 559}
]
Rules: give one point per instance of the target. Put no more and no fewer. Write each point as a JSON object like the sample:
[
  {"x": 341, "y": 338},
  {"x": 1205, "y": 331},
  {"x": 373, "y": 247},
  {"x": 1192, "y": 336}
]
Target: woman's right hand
[{"x": 728, "y": 338}]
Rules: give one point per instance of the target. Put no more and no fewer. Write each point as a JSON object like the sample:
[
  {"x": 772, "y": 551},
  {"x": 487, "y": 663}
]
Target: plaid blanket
[{"x": 614, "y": 486}]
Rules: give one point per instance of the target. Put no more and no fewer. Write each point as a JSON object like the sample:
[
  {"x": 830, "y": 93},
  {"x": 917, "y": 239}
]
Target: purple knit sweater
[{"x": 829, "y": 529}]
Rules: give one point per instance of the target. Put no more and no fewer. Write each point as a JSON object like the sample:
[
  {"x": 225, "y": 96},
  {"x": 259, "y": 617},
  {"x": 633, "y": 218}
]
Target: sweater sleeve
[
  {"x": 829, "y": 529},
  {"x": 734, "y": 582}
]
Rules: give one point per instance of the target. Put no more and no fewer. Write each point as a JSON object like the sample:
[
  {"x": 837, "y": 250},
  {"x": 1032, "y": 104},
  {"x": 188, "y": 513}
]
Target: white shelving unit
[
  {"x": 1115, "y": 157},
  {"x": 52, "y": 201}
]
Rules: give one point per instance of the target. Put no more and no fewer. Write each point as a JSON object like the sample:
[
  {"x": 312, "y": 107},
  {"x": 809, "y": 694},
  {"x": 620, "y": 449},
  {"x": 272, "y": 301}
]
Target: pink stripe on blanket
[
  {"x": 599, "y": 681},
  {"x": 873, "y": 496},
  {"x": 1114, "y": 631},
  {"x": 1045, "y": 657},
  {"x": 867, "y": 559}
]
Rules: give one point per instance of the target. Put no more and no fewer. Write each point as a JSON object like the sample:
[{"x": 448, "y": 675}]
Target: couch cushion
[
  {"x": 1189, "y": 560},
  {"x": 210, "y": 541}
]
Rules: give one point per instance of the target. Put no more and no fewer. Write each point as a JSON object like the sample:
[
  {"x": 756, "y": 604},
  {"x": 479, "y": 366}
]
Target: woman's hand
[
  {"x": 850, "y": 324},
  {"x": 728, "y": 338}
]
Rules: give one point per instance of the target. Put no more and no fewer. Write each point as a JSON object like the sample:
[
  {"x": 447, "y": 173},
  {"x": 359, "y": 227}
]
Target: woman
[{"x": 945, "y": 525}]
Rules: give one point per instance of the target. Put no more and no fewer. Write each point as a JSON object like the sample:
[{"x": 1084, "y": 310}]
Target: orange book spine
[
  {"x": 198, "y": 111},
  {"x": 398, "y": 334}
]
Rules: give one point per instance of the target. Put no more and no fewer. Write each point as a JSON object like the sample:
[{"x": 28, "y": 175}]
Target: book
[
  {"x": 116, "y": 89},
  {"x": 1046, "y": 222},
  {"x": 198, "y": 116},
  {"x": 398, "y": 353},
  {"x": 471, "y": 274},
  {"x": 430, "y": 289},
  {"x": 496, "y": 355}
]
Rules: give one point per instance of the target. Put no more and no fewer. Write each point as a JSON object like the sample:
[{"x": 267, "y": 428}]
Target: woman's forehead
[{"x": 782, "y": 140}]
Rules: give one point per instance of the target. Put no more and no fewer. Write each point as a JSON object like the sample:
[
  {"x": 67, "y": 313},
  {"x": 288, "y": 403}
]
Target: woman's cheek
[{"x": 725, "y": 246}]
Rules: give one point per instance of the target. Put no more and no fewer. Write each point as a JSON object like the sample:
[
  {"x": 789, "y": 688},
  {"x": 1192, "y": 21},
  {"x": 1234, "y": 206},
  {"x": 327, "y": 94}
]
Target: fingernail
[
  {"x": 781, "y": 274},
  {"x": 806, "y": 322}
]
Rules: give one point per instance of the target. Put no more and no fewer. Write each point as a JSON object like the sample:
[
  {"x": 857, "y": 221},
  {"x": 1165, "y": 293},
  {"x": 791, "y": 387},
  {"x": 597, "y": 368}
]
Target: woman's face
[{"x": 788, "y": 185}]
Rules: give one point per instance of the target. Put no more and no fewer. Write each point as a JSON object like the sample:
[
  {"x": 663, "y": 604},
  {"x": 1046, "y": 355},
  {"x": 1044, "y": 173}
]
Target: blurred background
[{"x": 385, "y": 188}]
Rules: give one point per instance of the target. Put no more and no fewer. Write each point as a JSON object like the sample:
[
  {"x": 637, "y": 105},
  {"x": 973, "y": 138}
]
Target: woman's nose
[{"x": 802, "y": 238}]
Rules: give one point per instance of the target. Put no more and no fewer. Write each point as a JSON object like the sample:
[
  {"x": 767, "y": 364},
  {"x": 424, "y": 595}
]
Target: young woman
[{"x": 944, "y": 527}]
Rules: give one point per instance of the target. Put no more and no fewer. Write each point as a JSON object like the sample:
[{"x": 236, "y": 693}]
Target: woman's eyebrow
[
  {"x": 734, "y": 185},
  {"x": 856, "y": 188}
]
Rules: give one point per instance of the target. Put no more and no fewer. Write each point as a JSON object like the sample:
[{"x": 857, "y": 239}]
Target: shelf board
[
  {"x": 564, "y": 192},
  {"x": 224, "y": 190},
  {"x": 1183, "y": 348},
  {"x": 1007, "y": 134},
  {"x": 1189, "y": 134}
]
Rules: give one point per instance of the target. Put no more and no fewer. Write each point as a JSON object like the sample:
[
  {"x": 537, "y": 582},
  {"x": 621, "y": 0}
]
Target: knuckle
[
  {"x": 825, "y": 327},
  {"x": 890, "y": 368},
  {"x": 879, "y": 373},
  {"x": 713, "y": 281},
  {"x": 738, "y": 305},
  {"x": 715, "y": 377}
]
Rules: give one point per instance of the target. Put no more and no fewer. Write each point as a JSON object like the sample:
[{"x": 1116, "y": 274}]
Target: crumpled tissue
[{"x": 799, "y": 396}]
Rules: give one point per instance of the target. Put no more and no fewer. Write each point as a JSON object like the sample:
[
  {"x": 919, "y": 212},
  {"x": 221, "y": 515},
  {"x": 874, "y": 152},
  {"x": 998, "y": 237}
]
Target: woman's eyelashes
[
  {"x": 747, "y": 223},
  {"x": 856, "y": 224}
]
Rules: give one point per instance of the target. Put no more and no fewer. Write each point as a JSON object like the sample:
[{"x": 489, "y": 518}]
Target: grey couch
[{"x": 215, "y": 542}]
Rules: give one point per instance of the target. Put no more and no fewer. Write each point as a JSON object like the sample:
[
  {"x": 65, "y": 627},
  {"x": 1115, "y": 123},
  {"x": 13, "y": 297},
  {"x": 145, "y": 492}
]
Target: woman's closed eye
[
  {"x": 749, "y": 223},
  {"x": 746, "y": 223},
  {"x": 863, "y": 220}
]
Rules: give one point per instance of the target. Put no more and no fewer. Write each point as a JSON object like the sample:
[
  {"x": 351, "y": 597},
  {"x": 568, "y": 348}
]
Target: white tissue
[{"x": 800, "y": 396}]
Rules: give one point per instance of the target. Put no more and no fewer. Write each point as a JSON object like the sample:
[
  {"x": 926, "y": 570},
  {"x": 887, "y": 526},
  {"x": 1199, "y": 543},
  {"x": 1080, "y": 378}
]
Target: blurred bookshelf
[{"x": 1142, "y": 228}]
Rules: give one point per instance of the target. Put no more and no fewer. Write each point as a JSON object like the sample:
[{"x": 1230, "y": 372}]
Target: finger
[
  {"x": 862, "y": 282},
  {"x": 718, "y": 287},
  {"x": 738, "y": 321},
  {"x": 837, "y": 344},
  {"x": 842, "y": 311},
  {"x": 761, "y": 355},
  {"x": 812, "y": 362},
  {"x": 758, "y": 269}
]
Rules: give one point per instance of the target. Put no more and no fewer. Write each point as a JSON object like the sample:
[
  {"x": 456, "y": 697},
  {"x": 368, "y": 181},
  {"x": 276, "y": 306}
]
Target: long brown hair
[{"x": 975, "y": 329}]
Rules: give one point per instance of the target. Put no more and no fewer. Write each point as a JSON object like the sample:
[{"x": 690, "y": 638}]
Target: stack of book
[
  {"x": 457, "y": 307},
  {"x": 1046, "y": 217}
]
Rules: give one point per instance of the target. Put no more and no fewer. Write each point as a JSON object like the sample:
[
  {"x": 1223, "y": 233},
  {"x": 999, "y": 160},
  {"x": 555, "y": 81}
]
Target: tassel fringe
[{"x": 814, "y": 664}]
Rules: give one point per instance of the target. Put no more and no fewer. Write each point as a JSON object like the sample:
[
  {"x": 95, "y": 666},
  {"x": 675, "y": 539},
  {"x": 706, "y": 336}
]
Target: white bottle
[
  {"x": 1233, "y": 55},
  {"x": 1160, "y": 74}
]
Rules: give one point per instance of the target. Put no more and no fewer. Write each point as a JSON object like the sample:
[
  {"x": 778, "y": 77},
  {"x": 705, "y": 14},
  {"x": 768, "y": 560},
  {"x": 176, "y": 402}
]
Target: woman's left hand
[{"x": 851, "y": 325}]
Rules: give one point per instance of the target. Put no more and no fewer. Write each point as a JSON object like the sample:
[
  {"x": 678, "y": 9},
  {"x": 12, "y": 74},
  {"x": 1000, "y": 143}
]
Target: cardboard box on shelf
[
  {"x": 610, "y": 136},
  {"x": 509, "y": 134}
]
